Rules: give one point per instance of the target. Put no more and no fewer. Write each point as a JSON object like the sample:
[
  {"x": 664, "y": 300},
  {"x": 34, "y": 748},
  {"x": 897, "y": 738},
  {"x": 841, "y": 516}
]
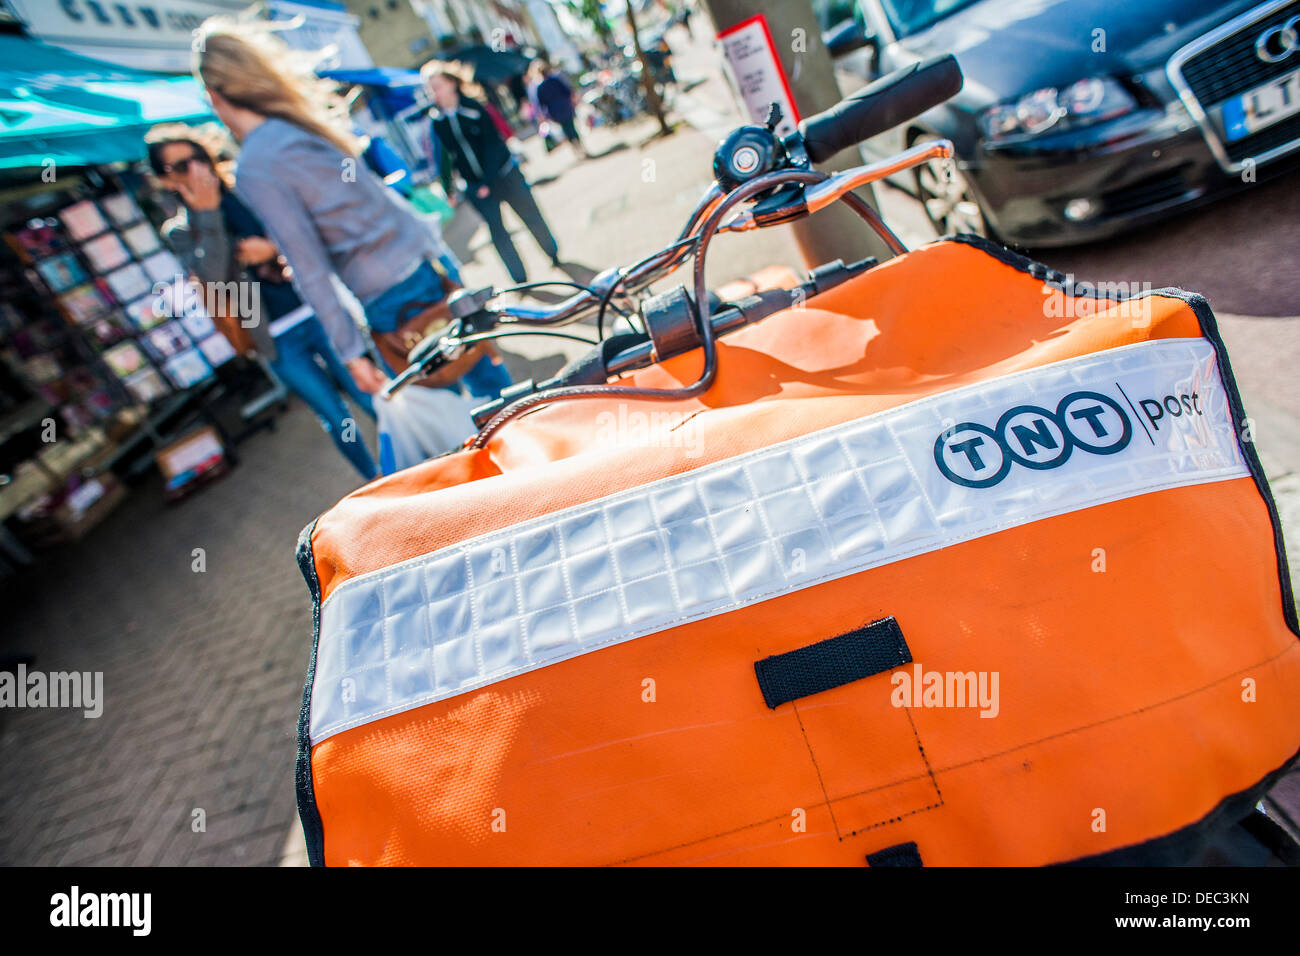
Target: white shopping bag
[{"x": 418, "y": 423}]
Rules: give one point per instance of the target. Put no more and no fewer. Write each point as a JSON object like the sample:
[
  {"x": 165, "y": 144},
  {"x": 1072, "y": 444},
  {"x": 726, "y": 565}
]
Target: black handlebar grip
[{"x": 881, "y": 105}]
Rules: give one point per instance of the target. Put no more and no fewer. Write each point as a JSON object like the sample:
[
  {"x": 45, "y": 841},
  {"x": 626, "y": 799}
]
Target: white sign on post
[{"x": 756, "y": 71}]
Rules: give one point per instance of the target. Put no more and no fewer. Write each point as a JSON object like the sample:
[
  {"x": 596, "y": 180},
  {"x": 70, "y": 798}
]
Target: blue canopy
[
  {"x": 396, "y": 88},
  {"x": 75, "y": 111}
]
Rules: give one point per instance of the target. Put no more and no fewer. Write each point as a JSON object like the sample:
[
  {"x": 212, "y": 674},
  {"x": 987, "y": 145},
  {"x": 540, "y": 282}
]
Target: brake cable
[
  {"x": 622, "y": 277},
  {"x": 526, "y": 286},
  {"x": 506, "y": 333},
  {"x": 705, "y": 329}
]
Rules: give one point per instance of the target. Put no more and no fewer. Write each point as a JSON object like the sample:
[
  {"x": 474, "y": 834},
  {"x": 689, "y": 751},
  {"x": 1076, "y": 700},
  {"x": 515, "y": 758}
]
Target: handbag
[
  {"x": 419, "y": 320},
  {"x": 234, "y": 332},
  {"x": 273, "y": 279},
  {"x": 274, "y": 272}
]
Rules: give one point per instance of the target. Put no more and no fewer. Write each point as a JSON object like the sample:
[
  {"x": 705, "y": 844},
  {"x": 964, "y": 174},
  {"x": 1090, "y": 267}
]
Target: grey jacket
[
  {"x": 207, "y": 250},
  {"x": 329, "y": 214}
]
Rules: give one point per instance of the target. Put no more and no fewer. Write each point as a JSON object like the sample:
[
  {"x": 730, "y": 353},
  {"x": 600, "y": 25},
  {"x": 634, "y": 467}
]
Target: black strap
[
  {"x": 901, "y": 854},
  {"x": 877, "y": 647}
]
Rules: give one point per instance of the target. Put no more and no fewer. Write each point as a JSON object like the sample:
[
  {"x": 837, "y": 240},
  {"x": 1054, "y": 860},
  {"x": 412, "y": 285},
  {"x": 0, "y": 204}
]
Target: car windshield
[{"x": 909, "y": 16}]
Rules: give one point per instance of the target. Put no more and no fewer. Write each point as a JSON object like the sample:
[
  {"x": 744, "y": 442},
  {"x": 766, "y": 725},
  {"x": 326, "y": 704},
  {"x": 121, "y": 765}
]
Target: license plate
[{"x": 1263, "y": 106}]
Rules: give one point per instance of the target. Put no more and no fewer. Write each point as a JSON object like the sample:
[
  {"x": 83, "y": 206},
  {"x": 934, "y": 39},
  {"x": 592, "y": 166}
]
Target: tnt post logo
[{"x": 1033, "y": 437}]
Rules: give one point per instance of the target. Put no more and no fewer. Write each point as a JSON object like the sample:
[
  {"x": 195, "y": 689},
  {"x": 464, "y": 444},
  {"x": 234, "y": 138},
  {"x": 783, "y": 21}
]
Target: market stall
[{"x": 110, "y": 367}]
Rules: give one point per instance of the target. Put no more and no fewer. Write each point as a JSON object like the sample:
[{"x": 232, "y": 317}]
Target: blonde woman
[
  {"x": 220, "y": 240},
  {"x": 300, "y": 168}
]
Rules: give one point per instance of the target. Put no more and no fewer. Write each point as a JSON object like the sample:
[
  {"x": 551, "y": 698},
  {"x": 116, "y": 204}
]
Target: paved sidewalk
[{"x": 202, "y": 670}]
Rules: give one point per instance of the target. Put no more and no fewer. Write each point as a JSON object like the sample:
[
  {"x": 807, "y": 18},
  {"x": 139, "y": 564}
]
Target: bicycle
[
  {"x": 752, "y": 163},
  {"x": 913, "y": 486}
]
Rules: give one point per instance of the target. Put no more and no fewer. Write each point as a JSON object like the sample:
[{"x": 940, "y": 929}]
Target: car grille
[
  {"x": 1153, "y": 191},
  {"x": 1229, "y": 68}
]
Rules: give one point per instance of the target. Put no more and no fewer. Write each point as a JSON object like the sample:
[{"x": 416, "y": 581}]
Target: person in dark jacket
[
  {"x": 472, "y": 148},
  {"x": 553, "y": 98}
]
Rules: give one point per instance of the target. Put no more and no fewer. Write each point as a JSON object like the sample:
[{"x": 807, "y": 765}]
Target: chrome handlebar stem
[{"x": 816, "y": 196}]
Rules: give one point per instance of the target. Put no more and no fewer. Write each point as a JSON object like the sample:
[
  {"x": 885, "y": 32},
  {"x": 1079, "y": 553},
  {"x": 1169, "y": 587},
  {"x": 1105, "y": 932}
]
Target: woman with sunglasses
[
  {"x": 219, "y": 240},
  {"x": 301, "y": 166}
]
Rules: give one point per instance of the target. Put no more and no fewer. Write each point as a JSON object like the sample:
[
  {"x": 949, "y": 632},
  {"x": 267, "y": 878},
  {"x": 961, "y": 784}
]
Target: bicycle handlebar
[
  {"x": 816, "y": 196},
  {"x": 881, "y": 105}
]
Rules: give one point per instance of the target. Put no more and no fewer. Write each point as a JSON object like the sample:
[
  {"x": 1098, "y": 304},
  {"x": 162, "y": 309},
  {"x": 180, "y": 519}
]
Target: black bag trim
[
  {"x": 312, "y": 828},
  {"x": 901, "y": 854},
  {"x": 831, "y": 663},
  {"x": 1181, "y": 845},
  {"x": 1210, "y": 329},
  {"x": 1269, "y": 833}
]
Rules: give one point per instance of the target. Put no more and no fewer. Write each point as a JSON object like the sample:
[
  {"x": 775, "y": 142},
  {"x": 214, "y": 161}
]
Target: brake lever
[
  {"x": 430, "y": 348},
  {"x": 426, "y": 358}
]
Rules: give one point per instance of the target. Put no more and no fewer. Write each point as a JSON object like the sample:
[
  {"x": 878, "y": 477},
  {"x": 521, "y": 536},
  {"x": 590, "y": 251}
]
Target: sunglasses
[{"x": 182, "y": 167}]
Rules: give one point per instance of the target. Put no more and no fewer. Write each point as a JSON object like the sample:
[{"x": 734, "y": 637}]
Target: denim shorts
[{"x": 387, "y": 311}]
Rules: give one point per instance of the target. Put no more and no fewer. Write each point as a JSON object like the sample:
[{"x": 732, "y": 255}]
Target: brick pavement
[{"x": 202, "y": 671}]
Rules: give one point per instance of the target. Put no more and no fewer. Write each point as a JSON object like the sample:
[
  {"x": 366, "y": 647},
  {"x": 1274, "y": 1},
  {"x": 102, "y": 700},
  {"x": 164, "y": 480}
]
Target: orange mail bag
[{"x": 951, "y": 566}]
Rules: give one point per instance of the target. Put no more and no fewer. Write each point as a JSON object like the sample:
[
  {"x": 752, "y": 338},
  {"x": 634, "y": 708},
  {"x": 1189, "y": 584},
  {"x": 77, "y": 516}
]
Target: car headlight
[{"x": 1087, "y": 101}]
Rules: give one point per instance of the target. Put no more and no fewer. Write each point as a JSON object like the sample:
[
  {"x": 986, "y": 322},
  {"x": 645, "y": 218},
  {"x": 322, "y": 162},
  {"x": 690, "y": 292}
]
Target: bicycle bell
[{"x": 749, "y": 151}]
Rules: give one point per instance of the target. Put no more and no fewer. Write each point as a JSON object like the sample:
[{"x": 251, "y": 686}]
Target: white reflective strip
[{"x": 1016, "y": 449}]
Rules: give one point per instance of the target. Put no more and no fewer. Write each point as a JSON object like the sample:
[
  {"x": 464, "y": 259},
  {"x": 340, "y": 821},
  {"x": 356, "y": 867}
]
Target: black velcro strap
[
  {"x": 902, "y": 854},
  {"x": 833, "y": 662}
]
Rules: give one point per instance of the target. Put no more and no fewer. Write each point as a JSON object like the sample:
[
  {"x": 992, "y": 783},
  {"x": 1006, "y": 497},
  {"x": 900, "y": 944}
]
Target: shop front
[{"x": 109, "y": 368}]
